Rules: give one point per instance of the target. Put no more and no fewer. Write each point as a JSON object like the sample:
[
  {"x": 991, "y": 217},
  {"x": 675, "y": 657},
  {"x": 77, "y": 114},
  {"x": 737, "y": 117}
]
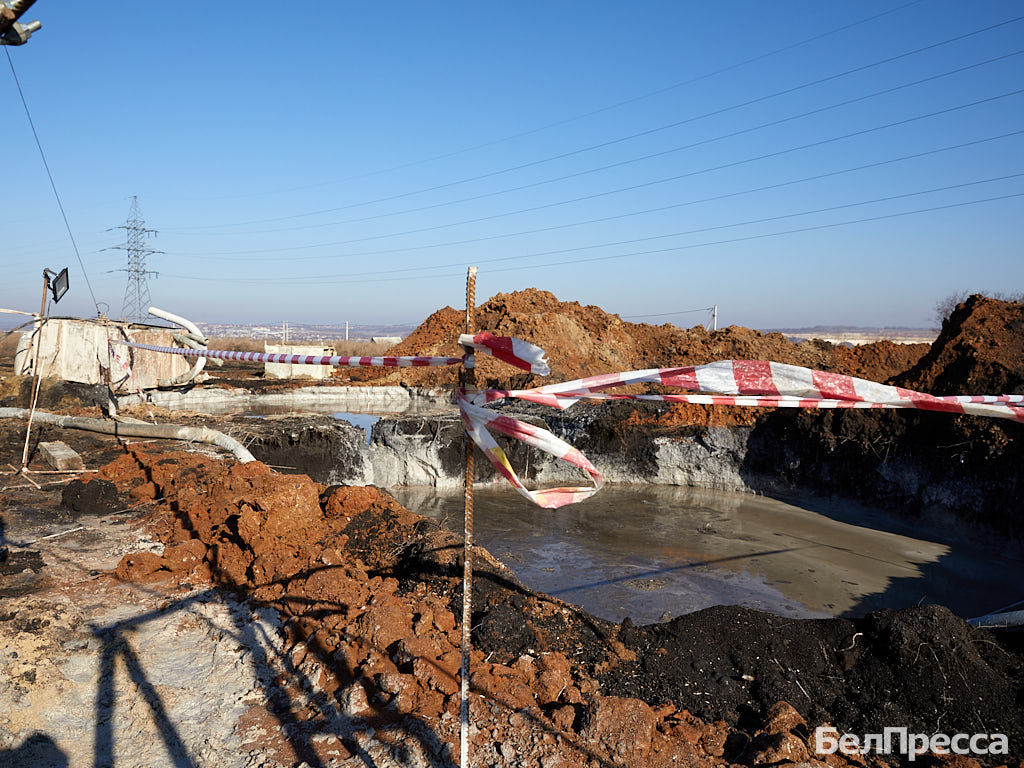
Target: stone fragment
[
  {"x": 60, "y": 456},
  {"x": 782, "y": 718},
  {"x": 620, "y": 726}
]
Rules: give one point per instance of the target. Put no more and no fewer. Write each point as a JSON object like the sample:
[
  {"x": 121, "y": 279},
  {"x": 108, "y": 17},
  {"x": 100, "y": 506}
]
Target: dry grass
[
  {"x": 8, "y": 346},
  {"x": 360, "y": 348},
  {"x": 236, "y": 344},
  {"x": 341, "y": 347}
]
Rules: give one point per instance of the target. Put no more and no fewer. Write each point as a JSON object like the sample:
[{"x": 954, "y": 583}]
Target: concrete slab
[{"x": 60, "y": 456}]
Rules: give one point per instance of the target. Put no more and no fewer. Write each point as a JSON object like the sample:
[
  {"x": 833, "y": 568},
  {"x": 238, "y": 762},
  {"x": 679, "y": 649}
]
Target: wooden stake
[{"x": 37, "y": 380}]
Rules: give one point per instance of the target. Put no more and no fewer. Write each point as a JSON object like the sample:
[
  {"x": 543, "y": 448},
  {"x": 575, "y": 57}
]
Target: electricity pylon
[{"x": 136, "y": 293}]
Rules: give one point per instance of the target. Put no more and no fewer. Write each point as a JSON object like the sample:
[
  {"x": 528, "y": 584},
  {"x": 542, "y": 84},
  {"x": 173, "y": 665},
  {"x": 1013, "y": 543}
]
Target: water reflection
[{"x": 652, "y": 552}]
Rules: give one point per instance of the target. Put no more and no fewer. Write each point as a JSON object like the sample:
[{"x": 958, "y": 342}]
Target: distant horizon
[{"x": 6, "y": 324}]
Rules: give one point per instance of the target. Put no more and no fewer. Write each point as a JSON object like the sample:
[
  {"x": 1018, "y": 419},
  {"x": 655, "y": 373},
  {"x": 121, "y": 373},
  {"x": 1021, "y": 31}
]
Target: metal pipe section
[
  {"x": 200, "y": 338},
  {"x": 11, "y": 31},
  {"x": 120, "y": 429},
  {"x": 189, "y": 340}
]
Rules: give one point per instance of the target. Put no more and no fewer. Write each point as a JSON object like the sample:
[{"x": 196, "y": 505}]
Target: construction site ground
[{"x": 171, "y": 607}]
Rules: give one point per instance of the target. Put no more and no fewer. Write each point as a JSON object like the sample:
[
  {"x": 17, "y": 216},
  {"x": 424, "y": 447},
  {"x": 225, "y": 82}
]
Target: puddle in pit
[{"x": 652, "y": 553}]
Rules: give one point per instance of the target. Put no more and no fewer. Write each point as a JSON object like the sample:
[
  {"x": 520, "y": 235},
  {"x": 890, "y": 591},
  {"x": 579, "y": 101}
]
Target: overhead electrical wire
[
  {"x": 612, "y": 165},
  {"x": 689, "y": 174},
  {"x": 248, "y": 257},
  {"x": 326, "y": 277},
  {"x": 591, "y": 113},
  {"x": 664, "y": 152},
  {"x": 849, "y": 222},
  {"x": 666, "y": 314},
  {"x": 681, "y": 247},
  {"x": 619, "y": 140},
  {"x": 53, "y": 185}
]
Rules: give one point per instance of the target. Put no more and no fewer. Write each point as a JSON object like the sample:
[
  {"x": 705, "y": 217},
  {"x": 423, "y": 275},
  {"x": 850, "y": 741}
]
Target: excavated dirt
[
  {"x": 370, "y": 594},
  {"x": 367, "y": 593},
  {"x": 586, "y": 340},
  {"x": 979, "y": 351},
  {"x": 959, "y": 471}
]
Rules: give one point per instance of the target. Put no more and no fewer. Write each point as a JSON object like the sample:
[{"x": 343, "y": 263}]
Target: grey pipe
[
  {"x": 166, "y": 431},
  {"x": 193, "y": 330},
  {"x": 189, "y": 340}
]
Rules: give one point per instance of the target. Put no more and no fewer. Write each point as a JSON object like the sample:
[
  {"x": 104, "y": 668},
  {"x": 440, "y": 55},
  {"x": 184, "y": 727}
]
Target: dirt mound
[
  {"x": 586, "y": 340},
  {"x": 370, "y": 593},
  {"x": 921, "y": 667},
  {"x": 980, "y": 351},
  {"x": 961, "y": 472}
]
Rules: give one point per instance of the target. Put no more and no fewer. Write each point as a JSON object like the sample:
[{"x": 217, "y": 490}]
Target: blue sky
[{"x": 349, "y": 162}]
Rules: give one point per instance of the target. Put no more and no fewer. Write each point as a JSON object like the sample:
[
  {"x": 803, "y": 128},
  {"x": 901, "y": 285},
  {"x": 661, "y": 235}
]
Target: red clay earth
[
  {"x": 371, "y": 591},
  {"x": 586, "y": 340},
  {"x": 979, "y": 351},
  {"x": 371, "y": 594},
  {"x": 961, "y": 472}
]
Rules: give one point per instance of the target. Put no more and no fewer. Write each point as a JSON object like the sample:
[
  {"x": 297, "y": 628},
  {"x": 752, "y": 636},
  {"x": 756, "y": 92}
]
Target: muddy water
[{"x": 651, "y": 553}]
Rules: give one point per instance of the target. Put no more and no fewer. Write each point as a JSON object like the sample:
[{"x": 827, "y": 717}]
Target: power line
[
  {"x": 667, "y": 314},
  {"x": 592, "y": 113},
  {"x": 689, "y": 174},
  {"x": 225, "y": 255},
  {"x": 620, "y": 163},
  {"x": 348, "y": 276},
  {"x": 621, "y": 139},
  {"x": 675, "y": 248},
  {"x": 767, "y": 234},
  {"x": 672, "y": 150},
  {"x": 53, "y": 186}
]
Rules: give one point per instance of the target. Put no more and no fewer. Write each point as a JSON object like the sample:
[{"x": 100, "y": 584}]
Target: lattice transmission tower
[{"x": 136, "y": 293}]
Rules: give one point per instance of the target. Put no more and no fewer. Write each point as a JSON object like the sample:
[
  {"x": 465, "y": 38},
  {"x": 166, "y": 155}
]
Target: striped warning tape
[
  {"x": 274, "y": 357},
  {"x": 765, "y": 384},
  {"x": 478, "y": 421},
  {"x": 726, "y": 382},
  {"x": 513, "y": 351}
]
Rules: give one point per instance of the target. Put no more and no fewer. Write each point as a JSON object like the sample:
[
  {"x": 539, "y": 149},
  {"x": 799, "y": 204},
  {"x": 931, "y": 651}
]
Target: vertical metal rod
[
  {"x": 37, "y": 380},
  {"x": 468, "y": 382}
]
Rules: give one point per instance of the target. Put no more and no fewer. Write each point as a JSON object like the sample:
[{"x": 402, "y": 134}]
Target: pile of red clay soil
[
  {"x": 585, "y": 340},
  {"x": 980, "y": 351},
  {"x": 960, "y": 472},
  {"x": 370, "y": 595}
]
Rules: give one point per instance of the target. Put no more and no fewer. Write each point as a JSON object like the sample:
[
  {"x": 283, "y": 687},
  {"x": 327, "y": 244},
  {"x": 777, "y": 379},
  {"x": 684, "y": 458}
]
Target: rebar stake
[{"x": 468, "y": 382}]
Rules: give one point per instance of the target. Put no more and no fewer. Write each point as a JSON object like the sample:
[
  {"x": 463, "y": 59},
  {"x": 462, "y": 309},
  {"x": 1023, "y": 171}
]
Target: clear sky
[{"x": 347, "y": 161}]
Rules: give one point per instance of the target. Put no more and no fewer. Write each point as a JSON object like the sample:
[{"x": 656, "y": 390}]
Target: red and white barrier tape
[
  {"x": 726, "y": 382},
  {"x": 765, "y": 384},
  {"x": 733, "y": 382},
  {"x": 513, "y": 351},
  {"x": 274, "y": 357},
  {"x": 478, "y": 420}
]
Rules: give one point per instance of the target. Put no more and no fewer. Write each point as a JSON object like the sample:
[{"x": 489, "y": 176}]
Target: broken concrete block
[{"x": 59, "y": 456}]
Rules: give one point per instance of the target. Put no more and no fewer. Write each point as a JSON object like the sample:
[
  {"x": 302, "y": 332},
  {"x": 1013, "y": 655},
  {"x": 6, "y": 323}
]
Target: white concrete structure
[
  {"x": 76, "y": 350},
  {"x": 288, "y": 371}
]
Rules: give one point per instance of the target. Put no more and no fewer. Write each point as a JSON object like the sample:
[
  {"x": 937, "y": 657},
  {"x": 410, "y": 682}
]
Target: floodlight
[{"x": 59, "y": 286}]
